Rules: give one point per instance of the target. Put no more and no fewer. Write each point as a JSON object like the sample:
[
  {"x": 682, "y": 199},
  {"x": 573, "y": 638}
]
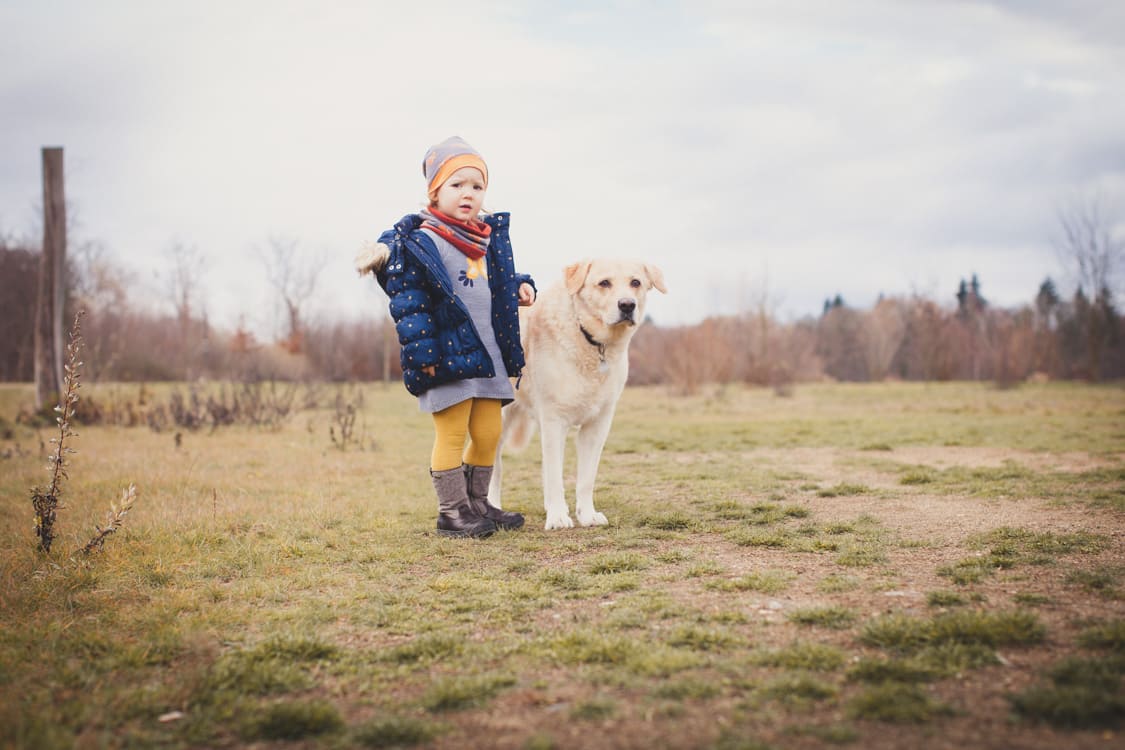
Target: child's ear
[
  {"x": 655, "y": 278},
  {"x": 575, "y": 275}
]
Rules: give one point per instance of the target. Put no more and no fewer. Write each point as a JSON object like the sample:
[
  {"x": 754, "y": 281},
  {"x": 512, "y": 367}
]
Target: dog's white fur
[{"x": 571, "y": 382}]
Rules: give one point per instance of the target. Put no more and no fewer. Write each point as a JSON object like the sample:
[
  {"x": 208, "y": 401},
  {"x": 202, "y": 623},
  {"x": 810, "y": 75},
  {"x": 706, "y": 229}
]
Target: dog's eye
[
  {"x": 605, "y": 283},
  {"x": 635, "y": 283}
]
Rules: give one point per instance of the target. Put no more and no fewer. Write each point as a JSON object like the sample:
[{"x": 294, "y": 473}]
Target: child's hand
[
  {"x": 431, "y": 370},
  {"x": 371, "y": 258},
  {"x": 527, "y": 295}
]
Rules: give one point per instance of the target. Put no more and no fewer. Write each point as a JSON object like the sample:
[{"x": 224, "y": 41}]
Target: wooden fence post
[{"x": 49, "y": 343}]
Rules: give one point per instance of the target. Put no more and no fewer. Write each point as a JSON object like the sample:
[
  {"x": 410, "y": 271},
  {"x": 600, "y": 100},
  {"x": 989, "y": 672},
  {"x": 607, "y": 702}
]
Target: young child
[{"x": 453, "y": 295}]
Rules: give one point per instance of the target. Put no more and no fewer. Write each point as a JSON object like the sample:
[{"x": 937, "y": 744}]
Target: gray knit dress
[{"x": 476, "y": 295}]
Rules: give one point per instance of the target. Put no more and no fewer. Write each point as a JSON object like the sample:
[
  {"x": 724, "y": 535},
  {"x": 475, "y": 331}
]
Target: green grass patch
[
  {"x": 1102, "y": 581},
  {"x": 817, "y": 657},
  {"x": 836, "y": 583},
  {"x": 1081, "y": 694},
  {"x": 861, "y": 555},
  {"x": 461, "y": 692},
  {"x": 617, "y": 563},
  {"x": 667, "y": 522},
  {"x": 593, "y": 709},
  {"x": 591, "y": 648},
  {"x": 394, "y": 731},
  {"x": 952, "y": 642},
  {"x": 1030, "y": 599},
  {"x": 702, "y": 639},
  {"x": 833, "y": 734},
  {"x": 834, "y": 617},
  {"x": 897, "y": 670},
  {"x": 687, "y": 689},
  {"x": 704, "y": 569},
  {"x": 916, "y": 477},
  {"x": 771, "y": 538},
  {"x": 425, "y": 648},
  {"x": 1108, "y": 635},
  {"x": 292, "y": 721},
  {"x": 844, "y": 489},
  {"x": 797, "y": 688},
  {"x": 896, "y": 703},
  {"x": 765, "y": 582},
  {"x": 945, "y": 599}
]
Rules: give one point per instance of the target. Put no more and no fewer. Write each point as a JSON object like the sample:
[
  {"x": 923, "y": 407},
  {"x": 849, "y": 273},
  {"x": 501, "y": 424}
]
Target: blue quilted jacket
[{"x": 433, "y": 325}]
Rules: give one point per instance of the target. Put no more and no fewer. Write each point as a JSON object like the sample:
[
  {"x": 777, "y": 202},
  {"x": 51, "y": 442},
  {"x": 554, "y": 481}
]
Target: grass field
[{"x": 875, "y": 566}]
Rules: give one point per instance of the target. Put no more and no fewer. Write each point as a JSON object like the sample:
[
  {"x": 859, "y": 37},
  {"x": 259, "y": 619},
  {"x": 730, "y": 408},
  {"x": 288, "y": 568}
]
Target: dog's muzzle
[{"x": 627, "y": 307}]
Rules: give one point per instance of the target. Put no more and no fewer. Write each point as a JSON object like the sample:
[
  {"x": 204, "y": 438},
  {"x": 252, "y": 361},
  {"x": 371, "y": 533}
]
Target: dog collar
[{"x": 594, "y": 342}]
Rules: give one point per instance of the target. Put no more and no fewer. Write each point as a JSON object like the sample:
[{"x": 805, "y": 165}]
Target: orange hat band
[{"x": 451, "y": 165}]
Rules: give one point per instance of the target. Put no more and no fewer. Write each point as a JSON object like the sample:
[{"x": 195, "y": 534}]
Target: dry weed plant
[
  {"x": 46, "y": 501},
  {"x": 113, "y": 521},
  {"x": 267, "y": 404},
  {"x": 347, "y": 410}
]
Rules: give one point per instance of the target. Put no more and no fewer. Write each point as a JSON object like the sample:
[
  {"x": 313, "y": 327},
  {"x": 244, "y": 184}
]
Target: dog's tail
[{"x": 519, "y": 426}]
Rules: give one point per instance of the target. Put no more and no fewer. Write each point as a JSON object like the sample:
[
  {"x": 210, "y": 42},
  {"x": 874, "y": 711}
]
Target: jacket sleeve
[
  {"x": 523, "y": 278},
  {"x": 388, "y": 238},
  {"x": 412, "y": 309}
]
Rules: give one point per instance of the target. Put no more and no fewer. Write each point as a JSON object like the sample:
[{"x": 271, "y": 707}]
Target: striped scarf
[{"x": 470, "y": 237}]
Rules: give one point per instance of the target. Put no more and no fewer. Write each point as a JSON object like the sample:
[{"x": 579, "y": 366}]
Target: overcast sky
[{"x": 793, "y": 149}]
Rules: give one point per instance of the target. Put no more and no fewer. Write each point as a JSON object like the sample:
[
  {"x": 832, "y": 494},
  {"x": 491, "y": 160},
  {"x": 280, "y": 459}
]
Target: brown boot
[
  {"x": 456, "y": 516},
  {"x": 477, "y": 479}
]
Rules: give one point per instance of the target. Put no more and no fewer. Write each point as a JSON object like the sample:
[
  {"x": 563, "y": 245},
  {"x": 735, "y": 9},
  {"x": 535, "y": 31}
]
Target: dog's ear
[
  {"x": 575, "y": 275},
  {"x": 655, "y": 278}
]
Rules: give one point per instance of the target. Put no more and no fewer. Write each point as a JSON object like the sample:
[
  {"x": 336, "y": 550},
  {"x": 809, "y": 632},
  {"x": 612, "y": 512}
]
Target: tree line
[{"x": 910, "y": 338}]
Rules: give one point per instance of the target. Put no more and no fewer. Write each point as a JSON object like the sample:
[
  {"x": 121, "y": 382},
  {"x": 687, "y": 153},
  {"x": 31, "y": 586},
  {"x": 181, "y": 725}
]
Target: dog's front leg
[
  {"x": 552, "y": 436},
  {"x": 591, "y": 439}
]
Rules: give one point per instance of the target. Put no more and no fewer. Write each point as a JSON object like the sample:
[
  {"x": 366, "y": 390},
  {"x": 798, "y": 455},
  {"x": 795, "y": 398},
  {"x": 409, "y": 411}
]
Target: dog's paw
[
  {"x": 558, "y": 520},
  {"x": 593, "y": 518}
]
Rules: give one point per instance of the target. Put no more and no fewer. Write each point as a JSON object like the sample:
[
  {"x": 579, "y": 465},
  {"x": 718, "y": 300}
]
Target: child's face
[{"x": 462, "y": 195}]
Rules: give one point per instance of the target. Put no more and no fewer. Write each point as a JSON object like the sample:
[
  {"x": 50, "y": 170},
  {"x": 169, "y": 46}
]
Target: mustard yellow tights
[{"x": 475, "y": 418}]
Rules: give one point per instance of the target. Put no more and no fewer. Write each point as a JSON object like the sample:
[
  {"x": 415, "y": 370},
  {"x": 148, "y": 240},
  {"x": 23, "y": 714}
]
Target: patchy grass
[
  {"x": 1080, "y": 693},
  {"x": 833, "y": 617},
  {"x": 394, "y": 731},
  {"x": 276, "y": 591},
  {"x": 797, "y": 688},
  {"x": 843, "y": 489},
  {"x": 966, "y": 627},
  {"x": 765, "y": 582},
  {"x": 896, "y": 703},
  {"x": 897, "y": 670},
  {"x": 457, "y": 693},
  {"x": 817, "y": 657},
  {"x": 945, "y": 599},
  {"x": 293, "y": 721},
  {"x": 1107, "y": 635},
  {"x": 1007, "y": 547},
  {"x": 1101, "y": 580}
]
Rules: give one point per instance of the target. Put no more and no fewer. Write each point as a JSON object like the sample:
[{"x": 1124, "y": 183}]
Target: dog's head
[{"x": 612, "y": 290}]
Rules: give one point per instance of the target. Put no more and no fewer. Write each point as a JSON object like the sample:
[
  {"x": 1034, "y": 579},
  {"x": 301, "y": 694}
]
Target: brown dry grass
[{"x": 261, "y": 569}]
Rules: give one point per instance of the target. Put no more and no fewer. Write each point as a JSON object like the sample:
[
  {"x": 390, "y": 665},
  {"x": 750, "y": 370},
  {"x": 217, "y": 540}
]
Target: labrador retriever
[{"x": 576, "y": 341}]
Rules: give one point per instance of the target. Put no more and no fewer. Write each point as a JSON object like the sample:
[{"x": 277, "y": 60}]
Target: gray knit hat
[{"x": 446, "y": 158}]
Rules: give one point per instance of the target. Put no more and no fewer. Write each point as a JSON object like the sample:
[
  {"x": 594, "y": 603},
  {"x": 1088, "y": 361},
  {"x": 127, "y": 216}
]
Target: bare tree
[
  {"x": 882, "y": 336},
  {"x": 1086, "y": 245},
  {"x": 182, "y": 281},
  {"x": 1091, "y": 252},
  {"x": 294, "y": 280}
]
